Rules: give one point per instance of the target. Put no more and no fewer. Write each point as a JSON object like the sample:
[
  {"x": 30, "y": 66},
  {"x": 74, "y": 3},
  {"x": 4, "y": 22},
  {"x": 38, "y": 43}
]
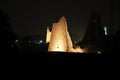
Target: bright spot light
[
  {"x": 16, "y": 40},
  {"x": 99, "y": 52},
  {"x": 105, "y": 29},
  {"x": 41, "y": 41}
]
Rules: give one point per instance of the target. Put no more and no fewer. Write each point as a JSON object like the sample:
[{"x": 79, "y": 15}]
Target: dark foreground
[{"x": 29, "y": 61}]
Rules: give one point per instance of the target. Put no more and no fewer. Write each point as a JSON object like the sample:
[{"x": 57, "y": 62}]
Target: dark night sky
[{"x": 33, "y": 16}]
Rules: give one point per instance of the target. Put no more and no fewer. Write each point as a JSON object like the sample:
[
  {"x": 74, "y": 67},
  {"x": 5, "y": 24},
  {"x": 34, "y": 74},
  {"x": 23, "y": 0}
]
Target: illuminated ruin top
[{"x": 59, "y": 38}]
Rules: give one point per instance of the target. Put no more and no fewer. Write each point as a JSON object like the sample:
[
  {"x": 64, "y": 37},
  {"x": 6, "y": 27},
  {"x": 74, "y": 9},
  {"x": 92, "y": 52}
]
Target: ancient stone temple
[{"x": 59, "y": 38}]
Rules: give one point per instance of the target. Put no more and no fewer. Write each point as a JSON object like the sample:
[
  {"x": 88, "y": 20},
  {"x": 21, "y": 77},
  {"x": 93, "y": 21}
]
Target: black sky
[{"x": 31, "y": 17}]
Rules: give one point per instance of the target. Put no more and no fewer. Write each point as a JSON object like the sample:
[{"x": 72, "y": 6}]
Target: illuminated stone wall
[
  {"x": 58, "y": 36},
  {"x": 48, "y": 35},
  {"x": 69, "y": 42},
  {"x": 60, "y": 39}
]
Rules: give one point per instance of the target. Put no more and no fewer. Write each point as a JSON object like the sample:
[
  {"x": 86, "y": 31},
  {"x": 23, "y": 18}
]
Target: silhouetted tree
[
  {"x": 94, "y": 34},
  {"x": 6, "y": 33}
]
